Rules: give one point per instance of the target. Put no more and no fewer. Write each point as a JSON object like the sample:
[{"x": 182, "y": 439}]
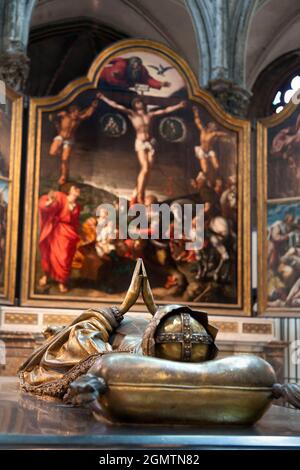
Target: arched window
[
  {"x": 285, "y": 92},
  {"x": 275, "y": 85}
]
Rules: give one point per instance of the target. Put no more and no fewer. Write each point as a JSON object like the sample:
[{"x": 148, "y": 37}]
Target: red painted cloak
[{"x": 58, "y": 236}]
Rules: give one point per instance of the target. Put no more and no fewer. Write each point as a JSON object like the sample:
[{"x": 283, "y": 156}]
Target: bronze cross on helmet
[{"x": 187, "y": 338}]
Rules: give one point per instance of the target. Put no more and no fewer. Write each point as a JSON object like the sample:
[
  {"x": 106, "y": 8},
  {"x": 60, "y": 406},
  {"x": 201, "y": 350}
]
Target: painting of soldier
[{"x": 137, "y": 136}]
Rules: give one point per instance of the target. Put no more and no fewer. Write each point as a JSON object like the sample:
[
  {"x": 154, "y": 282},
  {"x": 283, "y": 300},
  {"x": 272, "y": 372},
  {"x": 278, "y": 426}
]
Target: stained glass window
[{"x": 285, "y": 93}]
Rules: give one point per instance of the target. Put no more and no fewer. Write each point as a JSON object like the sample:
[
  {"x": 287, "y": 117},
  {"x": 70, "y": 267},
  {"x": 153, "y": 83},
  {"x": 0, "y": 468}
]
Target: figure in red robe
[
  {"x": 126, "y": 73},
  {"x": 59, "y": 222}
]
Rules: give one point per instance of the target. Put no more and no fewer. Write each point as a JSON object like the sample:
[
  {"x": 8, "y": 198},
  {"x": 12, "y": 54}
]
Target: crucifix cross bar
[{"x": 126, "y": 97}]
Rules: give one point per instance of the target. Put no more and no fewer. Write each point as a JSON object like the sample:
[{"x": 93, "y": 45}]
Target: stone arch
[
  {"x": 243, "y": 14},
  {"x": 221, "y": 29},
  {"x": 202, "y": 18},
  {"x": 269, "y": 80},
  {"x": 16, "y": 17},
  {"x": 59, "y": 52},
  {"x": 273, "y": 33},
  {"x": 133, "y": 18}
]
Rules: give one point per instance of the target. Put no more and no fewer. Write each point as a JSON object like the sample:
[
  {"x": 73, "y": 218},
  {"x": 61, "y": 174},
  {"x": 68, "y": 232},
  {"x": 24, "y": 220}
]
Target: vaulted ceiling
[
  {"x": 273, "y": 31},
  {"x": 166, "y": 21}
]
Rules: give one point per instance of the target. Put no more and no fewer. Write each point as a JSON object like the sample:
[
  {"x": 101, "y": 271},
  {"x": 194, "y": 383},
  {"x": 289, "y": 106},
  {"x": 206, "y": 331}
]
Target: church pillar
[
  {"x": 14, "y": 69},
  {"x": 14, "y": 29},
  {"x": 221, "y": 28},
  {"x": 232, "y": 97}
]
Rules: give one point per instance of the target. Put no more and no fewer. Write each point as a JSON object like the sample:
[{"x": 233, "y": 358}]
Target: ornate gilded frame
[
  {"x": 263, "y": 127},
  {"x": 8, "y": 294},
  {"x": 241, "y": 127}
]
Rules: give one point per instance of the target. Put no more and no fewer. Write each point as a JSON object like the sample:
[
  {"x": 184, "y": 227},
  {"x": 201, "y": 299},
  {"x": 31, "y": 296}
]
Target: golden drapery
[
  {"x": 72, "y": 351},
  {"x": 69, "y": 353}
]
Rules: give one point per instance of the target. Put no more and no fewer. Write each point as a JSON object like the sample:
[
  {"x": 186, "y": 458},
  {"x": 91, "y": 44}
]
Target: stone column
[
  {"x": 14, "y": 28},
  {"x": 221, "y": 28},
  {"x": 232, "y": 97},
  {"x": 14, "y": 69}
]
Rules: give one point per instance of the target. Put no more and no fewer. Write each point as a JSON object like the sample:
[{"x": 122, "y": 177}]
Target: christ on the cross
[{"x": 145, "y": 144}]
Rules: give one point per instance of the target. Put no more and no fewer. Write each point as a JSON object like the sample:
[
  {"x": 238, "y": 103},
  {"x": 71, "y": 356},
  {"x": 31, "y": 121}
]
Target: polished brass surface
[
  {"x": 50, "y": 424},
  {"x": 181, "y": 337},
  {"x": 147, "y": 292},
  {"x": 235, "y": 389},
  {"x": 83, "y": 363},
  {"x": 86, "y": 336},
  {"x": 134, "y": 288},
  {"x": 69, "y": 351},
  {"x": 128, "y": 335},
  {"x": 139, "y": 285},
  {"x": 178, "y": 333}
]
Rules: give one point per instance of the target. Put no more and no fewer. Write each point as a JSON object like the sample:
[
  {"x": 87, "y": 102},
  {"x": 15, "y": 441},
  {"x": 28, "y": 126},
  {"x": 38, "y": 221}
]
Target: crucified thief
[
  {"x": 145, "y": 144},
  {"x": 205, "y": 153},
  {"x": 66, "y": 123}
]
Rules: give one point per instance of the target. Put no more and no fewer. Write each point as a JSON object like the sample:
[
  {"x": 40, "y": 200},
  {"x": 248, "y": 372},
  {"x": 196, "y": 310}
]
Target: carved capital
[
  {"x": 232, "y": 97},
  {"x": 14, "y": 69}
]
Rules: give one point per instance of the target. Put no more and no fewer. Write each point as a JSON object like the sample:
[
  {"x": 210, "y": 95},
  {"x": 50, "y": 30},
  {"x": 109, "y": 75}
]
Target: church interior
[{"x": 113, "y": 110}]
